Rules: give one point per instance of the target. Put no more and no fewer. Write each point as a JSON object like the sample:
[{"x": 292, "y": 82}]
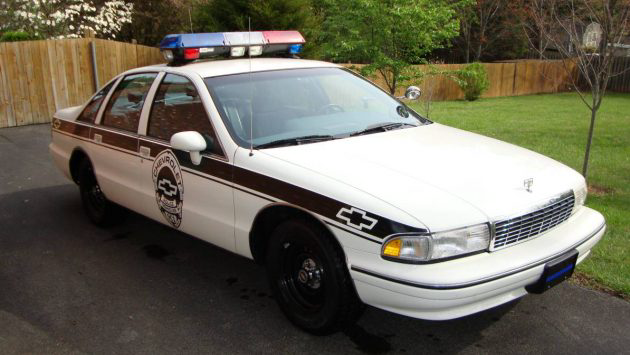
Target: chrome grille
[{"x": 513, "y": 230}]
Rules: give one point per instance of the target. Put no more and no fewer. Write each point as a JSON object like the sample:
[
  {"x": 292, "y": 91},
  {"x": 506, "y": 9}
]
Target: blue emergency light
[{"x": 181, "y": 48}]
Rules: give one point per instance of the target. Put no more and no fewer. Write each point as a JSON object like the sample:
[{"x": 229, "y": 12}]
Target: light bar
[
  {"x": 181, "y": 48},
  {"x": 243, "y": 38},
  {"x": 283, "y": 37}
]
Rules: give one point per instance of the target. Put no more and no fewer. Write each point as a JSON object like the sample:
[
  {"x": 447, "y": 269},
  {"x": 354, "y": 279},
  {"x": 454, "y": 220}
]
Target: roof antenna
[
  {"x": 190, "y": 19},
  {"x": 251, "y": 94}
]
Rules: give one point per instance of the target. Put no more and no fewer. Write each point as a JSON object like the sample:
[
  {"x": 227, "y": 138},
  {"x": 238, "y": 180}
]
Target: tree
[
  {"x": 152, "y": 20},
  {"x": 66, "y": 18},
  {"x": 389, "y": 35},
  {"x": 536, "y": 20},
  {"x": 593, "y": 57},
  {"x": 480, "y": 26},
  {"x": 233, "y": 15}
]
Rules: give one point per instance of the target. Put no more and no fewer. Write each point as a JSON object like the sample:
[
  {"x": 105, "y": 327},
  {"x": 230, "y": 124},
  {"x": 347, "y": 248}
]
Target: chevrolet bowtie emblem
[
  {"x": 356, "y": 218},
  {"x": 528, "y": 183}
]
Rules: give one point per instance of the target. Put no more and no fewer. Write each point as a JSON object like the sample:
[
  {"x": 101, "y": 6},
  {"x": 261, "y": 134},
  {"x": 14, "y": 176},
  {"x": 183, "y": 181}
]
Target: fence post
[{"x": 97, "y": 85}]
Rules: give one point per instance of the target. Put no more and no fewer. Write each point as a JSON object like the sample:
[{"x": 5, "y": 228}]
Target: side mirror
[
  {"x": 190, "y": 141},
  {"x": 413, "y": 93}
]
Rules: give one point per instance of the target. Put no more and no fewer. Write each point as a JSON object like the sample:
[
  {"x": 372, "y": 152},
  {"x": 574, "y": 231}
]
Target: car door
[
  {"x": 196, "y": 199},
  {"x": 114, "y": 154}
]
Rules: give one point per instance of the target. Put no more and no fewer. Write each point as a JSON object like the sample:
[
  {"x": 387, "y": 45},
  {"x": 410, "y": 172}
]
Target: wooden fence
[
  {"x": 38, "y": 78},
  {"x": 621, "y": 81},
  {"x": 523, "y": 77}
]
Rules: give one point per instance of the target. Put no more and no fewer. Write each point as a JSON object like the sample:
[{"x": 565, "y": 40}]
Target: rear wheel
[
  {"x": 309, "y": 278},
  {"x": 98, "y": 208}
]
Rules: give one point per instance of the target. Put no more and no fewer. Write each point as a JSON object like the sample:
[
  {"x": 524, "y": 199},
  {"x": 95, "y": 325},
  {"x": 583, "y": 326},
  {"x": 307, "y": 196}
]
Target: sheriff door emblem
[{"x": 169, "y": 187}]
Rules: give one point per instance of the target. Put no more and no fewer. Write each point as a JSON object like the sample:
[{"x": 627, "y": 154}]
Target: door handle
[{"x": 145, "y": 152}]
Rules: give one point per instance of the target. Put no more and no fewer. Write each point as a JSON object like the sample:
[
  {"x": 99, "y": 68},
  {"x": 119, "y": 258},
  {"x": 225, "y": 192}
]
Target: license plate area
[{"x": 555, "y": 272}]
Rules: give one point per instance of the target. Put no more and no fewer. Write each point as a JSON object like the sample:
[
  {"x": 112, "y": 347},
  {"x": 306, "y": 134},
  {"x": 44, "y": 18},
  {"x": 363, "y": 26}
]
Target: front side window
[
  {"x": 125, "y": 105},
  {"x": 90, "y": 111},
  {"x": 281, "y": 105},
  {"x": 176, "y": 108}
]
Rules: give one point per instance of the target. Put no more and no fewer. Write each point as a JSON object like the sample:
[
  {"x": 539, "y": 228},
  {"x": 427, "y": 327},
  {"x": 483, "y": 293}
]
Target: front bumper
[{"x": 460, "y": 287}]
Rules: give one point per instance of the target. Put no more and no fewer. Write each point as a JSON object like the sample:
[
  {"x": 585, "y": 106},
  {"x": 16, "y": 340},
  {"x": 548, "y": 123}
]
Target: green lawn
[{"x": 556, "y": 125}]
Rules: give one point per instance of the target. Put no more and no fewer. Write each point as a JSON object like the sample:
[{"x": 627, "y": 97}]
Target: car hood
[{"x": 438, "y": 174}]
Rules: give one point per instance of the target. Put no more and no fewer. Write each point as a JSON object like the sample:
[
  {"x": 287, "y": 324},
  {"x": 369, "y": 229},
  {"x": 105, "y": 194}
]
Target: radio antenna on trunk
[{"x": 251, "y": 92}]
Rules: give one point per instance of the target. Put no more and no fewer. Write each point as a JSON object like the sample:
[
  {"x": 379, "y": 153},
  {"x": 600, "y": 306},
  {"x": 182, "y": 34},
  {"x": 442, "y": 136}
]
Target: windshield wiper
[
  {"x": 382, "y": 127},
  {"x": 295, "y": 141}
]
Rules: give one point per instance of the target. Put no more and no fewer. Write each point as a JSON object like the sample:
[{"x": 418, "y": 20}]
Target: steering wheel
[{"x": 330, "y": 108}]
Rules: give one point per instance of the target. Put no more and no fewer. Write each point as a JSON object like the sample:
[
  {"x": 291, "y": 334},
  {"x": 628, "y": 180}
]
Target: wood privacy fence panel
[
  {"x": 506, "y": 79},
  {"x": 38, "y": 78},
  {"x": 621, "y": 81}
]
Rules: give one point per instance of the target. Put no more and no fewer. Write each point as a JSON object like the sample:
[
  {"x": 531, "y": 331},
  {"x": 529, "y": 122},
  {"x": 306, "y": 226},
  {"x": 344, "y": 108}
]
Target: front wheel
[{"x": 309, "y": 278}]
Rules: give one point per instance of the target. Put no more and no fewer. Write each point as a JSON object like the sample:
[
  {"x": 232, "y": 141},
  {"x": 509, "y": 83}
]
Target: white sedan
[{"x": 346, "y": 195}]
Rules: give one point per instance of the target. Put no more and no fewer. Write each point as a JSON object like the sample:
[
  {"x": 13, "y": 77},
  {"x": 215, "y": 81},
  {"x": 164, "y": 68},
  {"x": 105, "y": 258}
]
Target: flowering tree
[{"x": 65, "y": 18}]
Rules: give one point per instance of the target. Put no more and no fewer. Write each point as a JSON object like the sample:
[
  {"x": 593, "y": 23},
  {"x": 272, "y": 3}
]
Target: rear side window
[
  {"x": 125, "y": 105},
  {"x": 90, "y": 111},
  {"x": 176, "y": 108}
]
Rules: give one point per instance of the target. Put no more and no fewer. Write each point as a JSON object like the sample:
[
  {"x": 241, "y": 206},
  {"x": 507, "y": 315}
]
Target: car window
[
  {"x": 125, "y": 105},
  {"x": 177, "y": 107},
  {"x": 90, "y": 111},
  {"x": 263, "y": 107}
]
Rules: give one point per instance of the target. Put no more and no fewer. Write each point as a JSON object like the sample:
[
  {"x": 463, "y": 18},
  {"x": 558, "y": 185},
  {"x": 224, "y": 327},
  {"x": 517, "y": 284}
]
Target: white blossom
[{"x": 67, "y": 18}]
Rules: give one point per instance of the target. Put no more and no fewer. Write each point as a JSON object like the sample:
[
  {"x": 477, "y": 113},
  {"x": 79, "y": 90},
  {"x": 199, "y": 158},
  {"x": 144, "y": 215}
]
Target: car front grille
[{"x": 516, "y": 229}]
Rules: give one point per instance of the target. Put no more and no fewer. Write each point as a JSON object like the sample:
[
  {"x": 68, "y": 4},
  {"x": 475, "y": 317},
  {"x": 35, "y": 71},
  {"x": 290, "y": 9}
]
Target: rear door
[
  {"x": 114, "y": 155},
  {"x": 196, "y": 199}
]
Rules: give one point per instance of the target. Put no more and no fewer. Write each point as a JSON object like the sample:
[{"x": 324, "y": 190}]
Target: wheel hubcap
[
  {"x": 303, "y": 276},
  {"x": 310, "y": 274}
]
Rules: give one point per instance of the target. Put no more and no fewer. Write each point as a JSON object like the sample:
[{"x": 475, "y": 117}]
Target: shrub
[
  {"x": 17, "y": 36},
  {"x": 473, "y": 80}
]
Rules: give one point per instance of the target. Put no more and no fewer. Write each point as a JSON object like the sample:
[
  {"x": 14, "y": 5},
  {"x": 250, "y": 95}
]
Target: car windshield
[{"x": 297, "y": 106}]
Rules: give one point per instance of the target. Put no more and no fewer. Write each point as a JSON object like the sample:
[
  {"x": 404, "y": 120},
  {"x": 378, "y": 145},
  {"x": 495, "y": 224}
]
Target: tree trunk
[
  {"x": 589, "y": 142},
  {"x": 467, "y": 50}
]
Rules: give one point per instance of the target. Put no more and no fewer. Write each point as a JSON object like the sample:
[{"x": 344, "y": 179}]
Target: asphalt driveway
[{"x": 69, "y": 287}]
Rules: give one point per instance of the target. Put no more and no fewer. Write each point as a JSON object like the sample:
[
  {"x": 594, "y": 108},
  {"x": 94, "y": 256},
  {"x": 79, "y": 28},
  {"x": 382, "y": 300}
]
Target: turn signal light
[{"x": 393, "y": 248}]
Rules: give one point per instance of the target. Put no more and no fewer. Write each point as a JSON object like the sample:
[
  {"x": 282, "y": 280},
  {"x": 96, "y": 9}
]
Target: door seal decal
[{"x": 169, "y": 186}]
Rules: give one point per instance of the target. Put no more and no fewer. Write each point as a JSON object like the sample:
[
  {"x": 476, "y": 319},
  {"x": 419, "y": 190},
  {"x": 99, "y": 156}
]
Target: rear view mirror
[
  {"x": 190, "y": 91},
  {"x": 134, "y": 97},
  {"x": 190, "y": 141}
]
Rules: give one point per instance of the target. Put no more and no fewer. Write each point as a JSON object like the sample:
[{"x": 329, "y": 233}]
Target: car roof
[{"x": 210, "y": 68}]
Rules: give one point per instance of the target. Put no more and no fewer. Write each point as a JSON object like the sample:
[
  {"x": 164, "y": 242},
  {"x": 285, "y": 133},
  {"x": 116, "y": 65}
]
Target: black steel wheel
[
  {"x": 98, "y": 208},
  {"x": 309, "y": 278}
]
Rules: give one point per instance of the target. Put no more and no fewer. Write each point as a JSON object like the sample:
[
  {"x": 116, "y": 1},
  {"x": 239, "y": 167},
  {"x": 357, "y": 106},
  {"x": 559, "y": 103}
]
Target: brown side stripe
[
  {"x": 264, "y": 184},
  {"x": 72, "y": 128},
  {"x": 117, "y": 139}
]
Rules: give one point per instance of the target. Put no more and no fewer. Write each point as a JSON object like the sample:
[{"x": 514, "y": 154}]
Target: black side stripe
[
  {"x": 355, "y": 219},
  {"x": 353, "y": 232}
]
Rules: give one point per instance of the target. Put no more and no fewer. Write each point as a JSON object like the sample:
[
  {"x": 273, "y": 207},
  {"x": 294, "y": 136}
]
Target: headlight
[
  {"x": 580, "y": 196},
  {"x": 440, "y": 245}
]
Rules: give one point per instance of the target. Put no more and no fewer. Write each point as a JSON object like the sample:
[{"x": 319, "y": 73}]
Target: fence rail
[{"x": 38, "y": 78}]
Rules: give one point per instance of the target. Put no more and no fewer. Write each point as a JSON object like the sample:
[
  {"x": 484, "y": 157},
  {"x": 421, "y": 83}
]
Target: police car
[{"x": 345, "y": 194}]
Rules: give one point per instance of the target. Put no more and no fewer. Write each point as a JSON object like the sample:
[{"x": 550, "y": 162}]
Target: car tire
[
  {"x": 309, "y": 278},
  {"x": 98, "y": 208}
]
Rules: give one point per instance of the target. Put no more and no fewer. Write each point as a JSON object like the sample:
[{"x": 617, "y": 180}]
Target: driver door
[{"x": 196, "y": 199}]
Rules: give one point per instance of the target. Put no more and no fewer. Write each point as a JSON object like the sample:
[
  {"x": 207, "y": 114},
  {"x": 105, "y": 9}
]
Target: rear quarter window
[{"x": 89, "y": 112}]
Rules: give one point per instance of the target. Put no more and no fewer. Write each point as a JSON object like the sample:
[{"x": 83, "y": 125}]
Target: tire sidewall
[
  {"x": 298, "y": 232},
  {"x": 87, "y": 179}
]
